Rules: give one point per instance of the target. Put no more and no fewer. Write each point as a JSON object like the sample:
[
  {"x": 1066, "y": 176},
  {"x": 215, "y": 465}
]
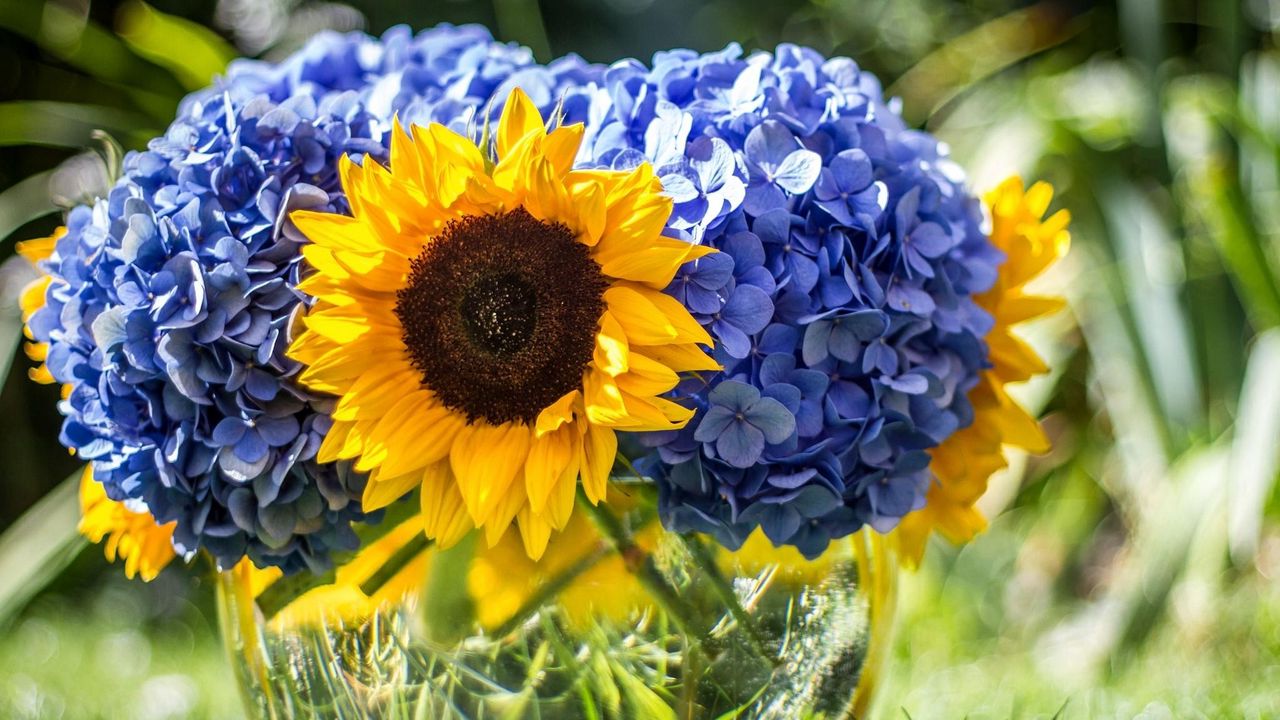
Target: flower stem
[
  {"x": 287, "y": 589},
  {"x": 720, "y": 585},
  {"x": 640, "y": 561},
  {"x": 395, "y": 564}
]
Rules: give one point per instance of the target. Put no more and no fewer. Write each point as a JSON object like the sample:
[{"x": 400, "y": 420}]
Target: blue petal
[
  {"x": 733, "y": 395},
  {"x": 770, "y": 144},
  {"x": 779, "y": 522},
  {"x": 714, "y": 423},
  {"x": 278, "y": 432},
  {"x": 852, "y": 169},
  {"x": 804, "y": 271},
  {"x": 251, "y": 448},
  {"x": 815, "y": 501},
  {"x": 776, "y": 368},
  {"x": 798, "y": 172},
  {"x": 229, "y": 430},
  {"x": 930, "y": 240},
  {"x": 850, "y": 400},
  {"x": 741, "y": 444},
  {"x": 773, "y": 226},
  {"x": 909, "y": 299},
  {"x": 817, "y": 337},
  {"x": 762, "y": 198},
  {"x": 261, "y": 385},
  {"x": 844, "y": 344},
  {"x": 749, "y": 309},
  {"x": 910, "y": 383},
  {"x": 732, "y": 340},
  {"x": 879, "y": 356},
  {"x": 773, "y": 418}
]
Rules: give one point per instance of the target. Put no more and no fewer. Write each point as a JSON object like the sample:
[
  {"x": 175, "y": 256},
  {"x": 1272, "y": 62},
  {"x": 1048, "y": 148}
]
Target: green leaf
[
  {"x": 39, "y": 545},
  {"x": 10, "y": 331},
  {"x": 1149, "y": 264},
  {"x": 192, "y": 52},
  {"x": 69, "y": 125},
  {"x": 24, "y": 202},
  {"x": 83, "y": 44},
  {"x": 447, "y": 609},
  {"x": 521, "y": 21}
]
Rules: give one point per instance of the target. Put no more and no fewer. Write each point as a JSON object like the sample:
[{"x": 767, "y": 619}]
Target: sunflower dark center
[{"x": 500, "y": 314}]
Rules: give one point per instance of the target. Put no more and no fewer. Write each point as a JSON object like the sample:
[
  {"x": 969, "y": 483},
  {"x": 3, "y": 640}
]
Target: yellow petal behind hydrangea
[
  {"x": 32, "y": 299},
  {"x": 964, "y": 463},
  {"x": 132, "y": 537}
]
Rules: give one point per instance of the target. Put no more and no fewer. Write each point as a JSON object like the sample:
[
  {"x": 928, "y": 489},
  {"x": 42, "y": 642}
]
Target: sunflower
[
  {"x": 134, "y": 537},
  {"x": 966, "y": 460},
  {"x": 488, "y": 318}
]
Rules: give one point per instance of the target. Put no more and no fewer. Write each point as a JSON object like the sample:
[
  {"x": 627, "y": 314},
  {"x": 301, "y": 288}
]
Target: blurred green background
[{"x": 1133, "y": 572}]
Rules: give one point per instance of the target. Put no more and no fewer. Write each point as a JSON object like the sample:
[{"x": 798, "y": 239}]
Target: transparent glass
[{"x": 620, "y": 619}]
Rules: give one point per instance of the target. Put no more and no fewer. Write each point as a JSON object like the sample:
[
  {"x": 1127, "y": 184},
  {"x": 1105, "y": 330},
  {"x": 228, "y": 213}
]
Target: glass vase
[{"x": 618, "y": 619}]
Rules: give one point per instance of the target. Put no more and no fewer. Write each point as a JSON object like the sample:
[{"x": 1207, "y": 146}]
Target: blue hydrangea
[
  {"x": 176, "y": 292},
  {"x": 841, "y": 304}
]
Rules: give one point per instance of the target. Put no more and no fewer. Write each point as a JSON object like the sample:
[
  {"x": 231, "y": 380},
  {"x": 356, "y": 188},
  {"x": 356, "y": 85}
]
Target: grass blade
[
  {"x": 1254, "y": 456},
  {"x": 36, "y": 548}
]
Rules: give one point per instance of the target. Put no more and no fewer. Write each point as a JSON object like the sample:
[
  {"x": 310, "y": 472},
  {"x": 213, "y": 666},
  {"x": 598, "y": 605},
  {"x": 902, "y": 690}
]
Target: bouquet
[{"x": 414, "y": 316}]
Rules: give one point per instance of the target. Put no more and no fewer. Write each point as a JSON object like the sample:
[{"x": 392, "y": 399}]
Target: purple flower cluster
[
  {"x": 841, "y": 303},
  {"x": 171, "y": 312}
]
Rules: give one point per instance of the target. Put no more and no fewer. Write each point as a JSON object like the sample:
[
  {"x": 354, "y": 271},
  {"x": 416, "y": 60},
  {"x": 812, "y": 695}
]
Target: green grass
[{"x": 113, "y": 649}]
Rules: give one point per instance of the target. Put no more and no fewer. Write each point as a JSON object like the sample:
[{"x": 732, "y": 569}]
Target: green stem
[
  {"x": 287, "y": 589},
  {"x": 720, "y": 585},
  {"x": 646, "y": 571},
  {"x": 548, "y": 590},
  {"x": 395, "y": 564}
]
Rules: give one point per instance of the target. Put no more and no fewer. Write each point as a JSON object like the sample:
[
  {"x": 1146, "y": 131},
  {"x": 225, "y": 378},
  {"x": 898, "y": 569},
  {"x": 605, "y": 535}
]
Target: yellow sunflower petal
[
  {"x": 589, "y": 199},
  {"x": 504, "y": 512},
  {"x": 444, "y": 516},
  {"x": 520, "y": 118},
  {"x": 382, "y": 489},
  {"x": 559, "y": 507},
  {"x": 423, "y": 439},
  {"x": 560, "y": 146},
  {"x": 535, "y": 532},
  {"x": 964, "y": 462},
  {"x": 653, "y": 263},
  {"x": 485, "y": 459},
  {"x": 145, "y": 546},
  {"x": 557, "y": 413},
  {"x": 372, "y": 393},
  {"x": 599, "y": 448},
  {"x": 549, "y": 455},
  {"x": 612, "y": 352},
  {"x": 650, "y": 317},
  {"x": 681, "y": 357}
]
